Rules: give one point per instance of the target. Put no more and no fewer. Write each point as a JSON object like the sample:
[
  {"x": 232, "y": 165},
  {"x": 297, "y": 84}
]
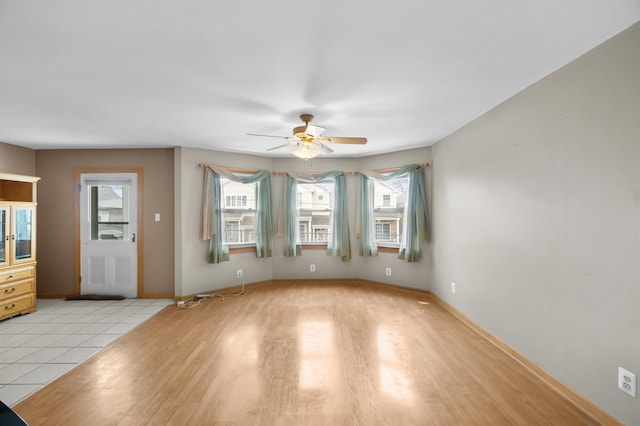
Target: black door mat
[{"x": 94, "y": 297}]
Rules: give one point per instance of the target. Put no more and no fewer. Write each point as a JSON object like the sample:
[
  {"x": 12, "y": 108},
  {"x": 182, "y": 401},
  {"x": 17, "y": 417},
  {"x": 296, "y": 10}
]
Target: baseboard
[
  {"x": 596, "y": 413},
  {"x": 413, "y": 290},
  {"x": 225, "y": 290},
  {"x": 53, "y": 296},
  {"x": 156, "y": 296}
]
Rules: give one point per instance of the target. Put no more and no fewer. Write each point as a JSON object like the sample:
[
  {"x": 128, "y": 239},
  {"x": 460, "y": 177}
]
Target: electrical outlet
[
  {"x": 388, "y": 272},
  {"x": 627, "y": 381},
  {"x": 239, "y": 273},
  {"x": 453, "y": 287},
  {"x": 312, "y": 267}
]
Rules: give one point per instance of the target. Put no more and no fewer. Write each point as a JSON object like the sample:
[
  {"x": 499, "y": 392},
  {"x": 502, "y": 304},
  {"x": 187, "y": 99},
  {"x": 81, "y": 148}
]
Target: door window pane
[{"x": 109, "y": 207}]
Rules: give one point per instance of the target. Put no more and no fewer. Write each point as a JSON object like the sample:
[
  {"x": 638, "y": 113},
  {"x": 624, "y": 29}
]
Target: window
[
  {"x": 232, "y": 230},
  {"x": 239, "y": 212},
  {"x": 321, "y": 235},
  {"x": 383, "y": 231},
  {"x": 236, "y": 200},
  {"x": 314, "y": 212},
  {"x": 388, "y": 209},
  {"x": 303, "y": 232},
  {"x": 109, "y": 211}
]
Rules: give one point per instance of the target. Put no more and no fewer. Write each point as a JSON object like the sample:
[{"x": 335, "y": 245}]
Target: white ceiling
[{"x": 404, "y": 74}]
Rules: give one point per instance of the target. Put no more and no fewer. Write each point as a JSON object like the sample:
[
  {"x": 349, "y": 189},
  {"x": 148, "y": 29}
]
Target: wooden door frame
[{"x": 139, "y": 171}]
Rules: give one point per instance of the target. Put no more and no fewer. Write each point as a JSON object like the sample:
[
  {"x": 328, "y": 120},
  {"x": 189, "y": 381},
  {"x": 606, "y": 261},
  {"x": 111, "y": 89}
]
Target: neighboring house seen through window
[
  {"x": 388, "y": 208},
  {"x": 315, "y": 202},
  {"x": 239, "y": 212}
]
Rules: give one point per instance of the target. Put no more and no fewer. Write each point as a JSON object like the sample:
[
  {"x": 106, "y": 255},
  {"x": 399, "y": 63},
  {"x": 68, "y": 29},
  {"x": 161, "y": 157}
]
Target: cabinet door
[
  {"x": 4, "y": 235},
  {"x": 23, "y": 235}
]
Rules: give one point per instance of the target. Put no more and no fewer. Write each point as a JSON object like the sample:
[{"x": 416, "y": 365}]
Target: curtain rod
[{"x": 252, "y": 171}]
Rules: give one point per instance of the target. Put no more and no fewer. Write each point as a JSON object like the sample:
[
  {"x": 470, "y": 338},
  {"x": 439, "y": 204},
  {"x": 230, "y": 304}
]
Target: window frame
[
  {"x": 305, "y": 216},
  {"x": 238, "y": 247},
  {"x": 389, "y": 246}
]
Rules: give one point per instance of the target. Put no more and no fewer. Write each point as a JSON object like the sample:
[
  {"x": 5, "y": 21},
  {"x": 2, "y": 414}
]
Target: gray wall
[
  {"x": 537, "y": 221},
  {"x": 194, "y": 274}
]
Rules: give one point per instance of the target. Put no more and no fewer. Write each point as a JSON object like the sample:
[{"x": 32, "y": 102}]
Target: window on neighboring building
[
  {"x": 236, "y": 200},
  {"x": 303, "y": 232},
  {"x": 315, "y": 202},
  {"x": 239, "y": 212},
  {"x": 232, "y": 230},
  {"x": 383, "y": 231},
  {"x": 321, "y": 235},
  {"x": 388, "y": 209}
]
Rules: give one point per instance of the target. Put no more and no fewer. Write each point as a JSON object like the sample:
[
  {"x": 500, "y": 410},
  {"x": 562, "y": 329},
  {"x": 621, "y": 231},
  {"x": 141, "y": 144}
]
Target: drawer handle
[
  {"x": 9, "y": 290},
  {"x": 9, "y": 307}
]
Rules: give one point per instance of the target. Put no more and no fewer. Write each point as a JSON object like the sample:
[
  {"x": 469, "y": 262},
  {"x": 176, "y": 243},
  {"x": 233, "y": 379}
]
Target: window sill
[
  {"x": 322, "y": 246},
  {"x": 242, "y": 249},
  {"x": 387, "y": 249}
]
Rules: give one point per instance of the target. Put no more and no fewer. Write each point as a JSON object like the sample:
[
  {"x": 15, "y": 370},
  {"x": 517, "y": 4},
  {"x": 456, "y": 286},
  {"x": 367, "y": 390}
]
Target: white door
[{"x": 108, "y": 226}]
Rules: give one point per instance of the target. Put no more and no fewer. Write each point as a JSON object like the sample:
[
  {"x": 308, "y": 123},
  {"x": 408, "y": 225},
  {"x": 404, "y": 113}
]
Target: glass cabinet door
[
  {"x": 22, "y": 235},
  {"x": 4, "y": 235}
]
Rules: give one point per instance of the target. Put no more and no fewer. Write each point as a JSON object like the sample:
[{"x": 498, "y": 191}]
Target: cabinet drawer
[
  {"x": 16, "y": 274},
  {"x": 8, "y": 291},
  {"x": 15, "y": 306}
]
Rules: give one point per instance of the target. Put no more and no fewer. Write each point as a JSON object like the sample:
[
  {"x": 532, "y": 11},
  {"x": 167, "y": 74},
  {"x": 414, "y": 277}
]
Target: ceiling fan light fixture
[
  {"x": 306, "y": 142},
  {"x": 306, "y": 151}
]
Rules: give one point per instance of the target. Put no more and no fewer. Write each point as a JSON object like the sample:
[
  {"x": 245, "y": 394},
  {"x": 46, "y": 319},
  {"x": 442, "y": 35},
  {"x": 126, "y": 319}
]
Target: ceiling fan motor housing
[{"x": 306, "y": 118}]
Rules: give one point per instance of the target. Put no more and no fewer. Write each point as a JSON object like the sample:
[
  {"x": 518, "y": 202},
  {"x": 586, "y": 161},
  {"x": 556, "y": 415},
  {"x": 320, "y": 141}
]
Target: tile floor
[{"x": 37, "y": 348}]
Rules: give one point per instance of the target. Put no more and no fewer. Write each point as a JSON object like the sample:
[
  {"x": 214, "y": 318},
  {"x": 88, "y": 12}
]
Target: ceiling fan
[{"x": 307, "y": 142}]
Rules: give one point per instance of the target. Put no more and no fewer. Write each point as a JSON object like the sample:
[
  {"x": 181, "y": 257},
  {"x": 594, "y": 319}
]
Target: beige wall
[
  {"x": 537, "y": 221},
  {"x": 17, "y": 160},
  {"x": 56, "y": 224}
]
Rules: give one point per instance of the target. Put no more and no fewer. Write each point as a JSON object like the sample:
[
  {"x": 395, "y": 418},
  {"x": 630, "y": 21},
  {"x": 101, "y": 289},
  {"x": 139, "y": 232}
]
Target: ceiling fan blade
[
  {"x": 271, "y": 136},
  {"x": 314, "y": 131},
  {"x": 345, "y": 140},
  {"x": 280, "y": 146},
  {"x": 325, "y": 149}
]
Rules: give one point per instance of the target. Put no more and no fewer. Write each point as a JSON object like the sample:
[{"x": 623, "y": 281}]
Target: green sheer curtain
[
  {"x": 340, "y": 244},
  {"x": 218, "y": 248},
  {"x": 213, "y": 212},
  {"x": 367, "y": 228},
  {"x": 264, "y": 218},
  {"x": 414, "y": 231},
  {"x": 291, "y": 248}
]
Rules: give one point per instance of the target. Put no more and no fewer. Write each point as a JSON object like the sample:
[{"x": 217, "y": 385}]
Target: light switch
[{"x": 157, "y": 217}]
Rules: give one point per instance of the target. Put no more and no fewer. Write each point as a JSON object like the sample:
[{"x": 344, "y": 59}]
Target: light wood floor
[{"x": 302, "y": 354}]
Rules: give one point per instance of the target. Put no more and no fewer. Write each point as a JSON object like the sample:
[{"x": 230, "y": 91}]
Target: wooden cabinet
[{"x": 17, "y": 244}]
